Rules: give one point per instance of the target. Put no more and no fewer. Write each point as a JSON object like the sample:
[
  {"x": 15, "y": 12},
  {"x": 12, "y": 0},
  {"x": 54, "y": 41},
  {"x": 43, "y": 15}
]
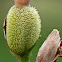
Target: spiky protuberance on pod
[{"x": 23, "y": 28}]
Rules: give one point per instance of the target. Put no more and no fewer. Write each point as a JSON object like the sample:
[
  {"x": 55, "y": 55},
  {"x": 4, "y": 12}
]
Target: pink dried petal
[{"x": 4, "y": 27}]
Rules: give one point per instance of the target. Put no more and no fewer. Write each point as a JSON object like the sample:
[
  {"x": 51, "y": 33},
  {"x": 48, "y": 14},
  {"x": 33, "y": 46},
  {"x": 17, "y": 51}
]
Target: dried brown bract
[{"x": 48, "y": 51}]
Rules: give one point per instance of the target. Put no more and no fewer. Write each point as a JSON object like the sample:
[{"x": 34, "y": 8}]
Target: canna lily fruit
[{"x": 23, "y": 26}]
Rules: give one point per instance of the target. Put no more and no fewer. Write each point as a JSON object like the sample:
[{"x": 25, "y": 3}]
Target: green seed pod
[{"x": 23, "y": 28}]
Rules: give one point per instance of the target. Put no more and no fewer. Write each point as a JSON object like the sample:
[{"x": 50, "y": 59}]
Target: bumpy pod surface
[{"x": 23, "y": 28}]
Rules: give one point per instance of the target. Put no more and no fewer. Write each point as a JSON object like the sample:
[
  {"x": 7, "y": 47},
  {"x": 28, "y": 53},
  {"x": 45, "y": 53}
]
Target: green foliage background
[{"x": 50, "y": 12}]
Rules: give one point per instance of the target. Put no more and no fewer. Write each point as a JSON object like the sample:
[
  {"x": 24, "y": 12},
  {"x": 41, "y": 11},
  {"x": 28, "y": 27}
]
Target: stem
[{"x": 19, "y": 60}]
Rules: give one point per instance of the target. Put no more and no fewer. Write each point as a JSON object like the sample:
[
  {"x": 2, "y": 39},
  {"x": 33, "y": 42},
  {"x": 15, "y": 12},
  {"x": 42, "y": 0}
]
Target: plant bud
[{"x": 23, "y": 28}]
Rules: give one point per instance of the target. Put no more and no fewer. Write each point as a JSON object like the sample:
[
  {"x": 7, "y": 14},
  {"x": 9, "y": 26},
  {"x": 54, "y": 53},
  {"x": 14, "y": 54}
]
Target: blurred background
[{"x": 50, "y": 12}]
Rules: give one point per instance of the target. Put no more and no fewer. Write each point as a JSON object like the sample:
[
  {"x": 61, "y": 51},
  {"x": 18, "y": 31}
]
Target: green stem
[{"x": 19, "y": 60}]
